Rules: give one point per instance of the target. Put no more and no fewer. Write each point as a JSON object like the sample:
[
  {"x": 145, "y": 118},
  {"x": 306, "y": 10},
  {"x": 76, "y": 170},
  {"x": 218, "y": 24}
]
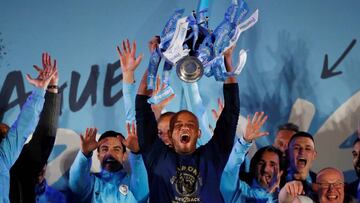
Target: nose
[
  {"x": 266, "y": 168},
  {"x": 331, "y": 187},
  {"x": 185, "y": 127},
  {"x": 285, "y": 147},
  {"x": 357, "y": 160},
  {"x": 301, "y": 151}
]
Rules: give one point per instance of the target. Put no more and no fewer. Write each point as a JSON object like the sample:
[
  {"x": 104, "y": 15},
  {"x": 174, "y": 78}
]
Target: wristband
[{"x": 53, "y": 87}]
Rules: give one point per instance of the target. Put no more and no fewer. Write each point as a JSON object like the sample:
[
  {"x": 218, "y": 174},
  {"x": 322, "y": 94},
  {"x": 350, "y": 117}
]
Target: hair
[
  {"x": 175, "y": 118},
  {"x": 356, "y": 141},
  {"x": 330, "y": 168},
  {"x": 3, "y": 130},
  {"x": 111, "y": 133},
  {"x": 289, "y": 126},
  {"x": 257, "y": 157},
  {"x": 301, "y": 134},
  {"x": 164, "y": 115}
]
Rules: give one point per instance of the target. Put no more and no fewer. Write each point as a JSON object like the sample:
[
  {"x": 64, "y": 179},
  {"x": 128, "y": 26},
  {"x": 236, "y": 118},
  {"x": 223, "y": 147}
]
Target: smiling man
[
  {"x": 329, "y": 188},
  {"x": 301, "y": 155}
]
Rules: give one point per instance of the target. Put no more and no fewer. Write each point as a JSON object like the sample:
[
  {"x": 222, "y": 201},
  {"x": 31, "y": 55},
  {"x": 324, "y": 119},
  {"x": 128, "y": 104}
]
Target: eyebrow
[{"x": 307, "y": 145}]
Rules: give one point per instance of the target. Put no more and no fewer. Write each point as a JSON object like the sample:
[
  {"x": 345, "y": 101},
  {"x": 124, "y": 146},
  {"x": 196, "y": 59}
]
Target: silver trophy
[{"x": 189, "y": 69}]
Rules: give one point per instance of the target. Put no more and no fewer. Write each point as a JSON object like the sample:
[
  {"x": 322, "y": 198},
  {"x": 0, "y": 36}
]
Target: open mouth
[
  {"x": 184, "y": 138},
  {"x": 301, "y": 162},
  {"x": 332, "y": 197},
  {"x": 110, "y": 160},
  {"x": 267, "y": 177}
]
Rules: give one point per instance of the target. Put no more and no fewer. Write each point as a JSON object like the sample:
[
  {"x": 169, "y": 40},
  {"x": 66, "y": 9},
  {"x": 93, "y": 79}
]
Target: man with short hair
[
  {"x": 283, "y": 135},
  {"x": 13, "y": 138},
  {"x": 112, "y": 184},
  {"x": 354, "y": 187},
  {"x": 163, "y": 125},
  {"x": 301, "y": 154},
  {"x": 185, "y": 173}
]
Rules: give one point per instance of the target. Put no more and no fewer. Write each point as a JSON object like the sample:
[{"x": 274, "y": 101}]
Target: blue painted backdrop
[{"x": 286, "y": 50}]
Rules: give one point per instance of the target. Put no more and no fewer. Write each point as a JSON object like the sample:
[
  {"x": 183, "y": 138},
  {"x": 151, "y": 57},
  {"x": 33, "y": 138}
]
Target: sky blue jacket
[
  {"x": 108, "y": 186},
  {"x": 11, "y": 145},
  {"x": 232, "y": 188}
]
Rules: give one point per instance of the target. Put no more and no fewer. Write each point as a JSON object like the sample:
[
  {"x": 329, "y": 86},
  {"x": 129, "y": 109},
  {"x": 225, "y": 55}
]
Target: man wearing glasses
[{"x": 329, "y": 188}]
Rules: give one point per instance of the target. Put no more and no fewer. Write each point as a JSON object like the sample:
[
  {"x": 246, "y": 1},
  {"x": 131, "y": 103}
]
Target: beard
[
  {"x": 357, "y": 170},
  {"x": 109, "y": 163}
]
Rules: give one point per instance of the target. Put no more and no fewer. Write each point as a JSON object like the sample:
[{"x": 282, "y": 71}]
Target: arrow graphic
[{"x": 328, "y": 73}]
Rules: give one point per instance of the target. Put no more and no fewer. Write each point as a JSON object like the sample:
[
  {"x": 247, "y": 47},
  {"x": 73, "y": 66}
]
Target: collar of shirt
[
  {"x": 289, "y": 177},
  {"x": 107, "y": 175}
]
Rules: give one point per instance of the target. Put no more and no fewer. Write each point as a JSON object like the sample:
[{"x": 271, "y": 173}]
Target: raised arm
[
  {"x": 232, "y": 187},
  {"x": 145, "y": 118},
  {"x": 81, "y": 181},
  {"x": 138, "y": 175},
  {"x": 24, "y": 125},
  {"x": 129, "y": 62},
  {"x": 225, "y": 129},
  {"x": 35, "y": 154}
]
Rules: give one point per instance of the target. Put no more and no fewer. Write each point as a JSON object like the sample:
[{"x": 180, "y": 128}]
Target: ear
[
  {"x": 199, "y": 133},
  {"x": 125, "y": 157},
  {"x": 315, "y": 187},
  {"x": 98, "y": 155},
  {"x": 315, "y": 154}
]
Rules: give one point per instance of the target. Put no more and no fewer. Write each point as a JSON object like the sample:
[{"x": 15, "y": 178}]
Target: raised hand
[
  {"x": 157, "y": 108},
  {"x": 253, "y": 127},
  {"x": 216, "y": 113},
  {"x": 46, "y": 75},
  {"x": 275, "y": 181},
  {"x": 290, "y": 191},
  {"x": 88, "y": 141},
  {"x": 154, "y": 43},
  {"x": 129, "y": 62},
  {"x": 131, "y": 142}
]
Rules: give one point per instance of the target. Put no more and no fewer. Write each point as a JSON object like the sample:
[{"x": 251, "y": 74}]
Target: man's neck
[{"x": 299, "y": 175}]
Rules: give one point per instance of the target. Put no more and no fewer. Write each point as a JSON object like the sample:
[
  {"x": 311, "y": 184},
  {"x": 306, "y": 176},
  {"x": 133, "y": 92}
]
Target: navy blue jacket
[{"x": 187, "y": 178}]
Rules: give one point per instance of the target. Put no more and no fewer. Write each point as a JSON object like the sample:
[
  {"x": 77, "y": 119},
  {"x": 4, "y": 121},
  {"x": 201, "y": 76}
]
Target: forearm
[
  {"x": 237, "y": 156},
  {"x": 145, "y": 123},
  {"x": 24, "y": 125},
  {"x": 81, "y": 181},
  {"x": 229, "y": 68},
  {"x": 42, "y": 142},
  {"x": 225, "y": 130},
  {"x": 128, "y": 77},
  {"x": 229, "y": 183},
  {"x": 139, "y": 180},
  {"x": 129, "y": 101}
]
